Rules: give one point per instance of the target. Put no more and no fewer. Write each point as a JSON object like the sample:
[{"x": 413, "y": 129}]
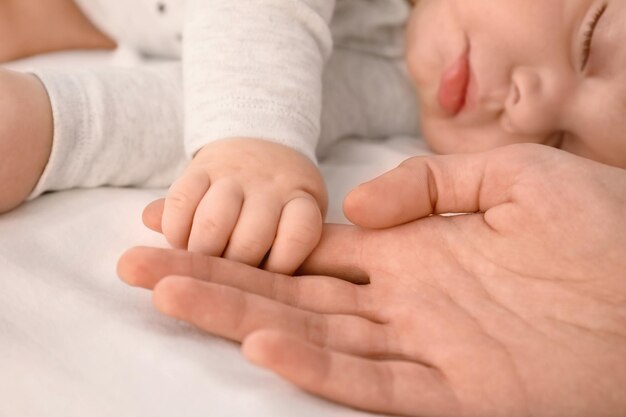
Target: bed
[{"x": 76, "y": 341}]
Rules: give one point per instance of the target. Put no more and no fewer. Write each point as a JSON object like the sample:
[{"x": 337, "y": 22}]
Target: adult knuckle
[
  {"x": 316, "y": 329},
  {"x": 241, "y": 308},
  {"x": 284, "y": 290}
]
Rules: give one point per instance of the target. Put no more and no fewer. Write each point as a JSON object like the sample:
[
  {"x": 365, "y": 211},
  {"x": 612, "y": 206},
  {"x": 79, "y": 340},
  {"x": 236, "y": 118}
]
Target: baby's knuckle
[
  {"x": 178, "y": 200},
  {"x": 208, "y": 225},
  {"x": 306, "y": 237},
  {"x": 250, "y": 245}
]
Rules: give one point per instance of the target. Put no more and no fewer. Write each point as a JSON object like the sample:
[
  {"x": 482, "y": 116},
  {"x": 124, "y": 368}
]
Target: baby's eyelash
[{"x": 589, "y": 34}]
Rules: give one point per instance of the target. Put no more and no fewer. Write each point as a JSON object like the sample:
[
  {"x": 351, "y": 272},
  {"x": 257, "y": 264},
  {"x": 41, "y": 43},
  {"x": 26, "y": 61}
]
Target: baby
[{"x": 487, "y": 74}]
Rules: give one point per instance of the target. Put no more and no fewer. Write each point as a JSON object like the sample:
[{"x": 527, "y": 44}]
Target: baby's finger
[
  {"x": 395, "y": 387},
  {"x": 153, "y": 215},
  {"x": 255, "y": 231},
  {"x": 216, "y": 217},
  {"x": 234, "y": 314},
  {"x": 299, "y": 231},
  {"x": 180, "y": 206}
]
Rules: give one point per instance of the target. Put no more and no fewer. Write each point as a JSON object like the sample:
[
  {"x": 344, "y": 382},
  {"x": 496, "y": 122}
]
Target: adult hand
[{"x": 516, "y": 310}]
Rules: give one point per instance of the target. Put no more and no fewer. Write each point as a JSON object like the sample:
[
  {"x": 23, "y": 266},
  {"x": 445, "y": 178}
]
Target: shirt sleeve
[{"x": 254, "y": 68}]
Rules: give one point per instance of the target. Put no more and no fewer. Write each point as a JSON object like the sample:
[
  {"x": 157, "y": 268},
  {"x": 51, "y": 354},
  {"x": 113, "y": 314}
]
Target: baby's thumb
[{"x": 152, "y": 215}]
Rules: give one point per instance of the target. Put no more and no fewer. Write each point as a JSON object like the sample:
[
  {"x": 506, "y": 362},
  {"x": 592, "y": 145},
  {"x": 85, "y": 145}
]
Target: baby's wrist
[{"x": 242, "y": 143}]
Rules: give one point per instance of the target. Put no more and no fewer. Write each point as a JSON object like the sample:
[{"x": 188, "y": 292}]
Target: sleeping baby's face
[{"x": 491, "y": 73}]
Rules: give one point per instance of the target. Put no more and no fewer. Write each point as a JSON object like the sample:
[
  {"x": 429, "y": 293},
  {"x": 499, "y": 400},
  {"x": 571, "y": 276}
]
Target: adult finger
[
  {"x": 255, "y": 231},
  {"x": 180, "y": 206},
  {"x": 385, "y": 386},
  {"x": 145, "y": 267},
  {"x": 215, "y": 218},
  {"x": 299, "y": 231},
  {"x": 152, "y": 215},
  {"x": 339, "y": 254},
  {"x": 423, "y": 186},
  {"x": 234, "y": 314}
]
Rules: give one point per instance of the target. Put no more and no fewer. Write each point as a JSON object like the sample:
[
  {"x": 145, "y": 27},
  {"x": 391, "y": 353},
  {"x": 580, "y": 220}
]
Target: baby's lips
[{"x": 453, "y": 87}]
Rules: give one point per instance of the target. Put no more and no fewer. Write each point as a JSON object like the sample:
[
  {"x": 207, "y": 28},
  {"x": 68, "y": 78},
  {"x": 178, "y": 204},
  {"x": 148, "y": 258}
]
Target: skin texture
[
  {"x": 240, "y": 197},
  {"x": 518, "y": 309},
  {"x": 526, "y": 82}
]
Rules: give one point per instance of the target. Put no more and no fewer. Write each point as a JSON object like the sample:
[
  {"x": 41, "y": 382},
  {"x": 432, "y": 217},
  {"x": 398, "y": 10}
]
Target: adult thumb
[{"x": 424, "y": 186}]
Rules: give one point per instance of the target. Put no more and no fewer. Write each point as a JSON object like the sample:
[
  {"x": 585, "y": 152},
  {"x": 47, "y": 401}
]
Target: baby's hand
[{"x": 245, "y": 199}]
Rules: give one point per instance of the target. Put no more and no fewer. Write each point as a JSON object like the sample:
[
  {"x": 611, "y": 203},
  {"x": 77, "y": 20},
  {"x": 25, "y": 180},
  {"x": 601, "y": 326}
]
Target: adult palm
[{"x": 518, "y": 309}]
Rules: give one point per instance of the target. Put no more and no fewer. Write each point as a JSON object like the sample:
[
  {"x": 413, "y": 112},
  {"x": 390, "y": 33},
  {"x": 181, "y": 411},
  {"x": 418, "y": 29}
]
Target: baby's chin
[
  {"x": 441, "y": 148},
  {"x": 442, "y": 145},
  {"x": 439, "y": 137},
  {"x": 444, "y": 138}
]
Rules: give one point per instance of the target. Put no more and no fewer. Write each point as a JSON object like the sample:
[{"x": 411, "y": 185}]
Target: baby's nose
[{"x": 534, "y": 101}]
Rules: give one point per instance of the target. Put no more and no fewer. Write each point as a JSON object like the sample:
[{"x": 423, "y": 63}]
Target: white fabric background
[{"x": 76, "y": 341}]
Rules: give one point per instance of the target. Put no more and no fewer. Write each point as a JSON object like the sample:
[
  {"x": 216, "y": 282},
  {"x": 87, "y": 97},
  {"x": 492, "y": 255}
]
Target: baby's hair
[{"x": 412, "y": 2}]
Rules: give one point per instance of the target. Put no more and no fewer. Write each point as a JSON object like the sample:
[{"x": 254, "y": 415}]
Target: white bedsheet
[{"x": 76, "y": 341}]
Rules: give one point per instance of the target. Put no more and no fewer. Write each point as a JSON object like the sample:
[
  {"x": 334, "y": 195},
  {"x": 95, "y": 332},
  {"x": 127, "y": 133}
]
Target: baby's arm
[{"x": 252, "y": 70}]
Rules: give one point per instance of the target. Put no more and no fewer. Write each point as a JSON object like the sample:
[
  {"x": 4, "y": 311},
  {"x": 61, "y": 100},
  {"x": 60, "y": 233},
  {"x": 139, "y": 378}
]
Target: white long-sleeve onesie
[{"x": 303, "y": 73}]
